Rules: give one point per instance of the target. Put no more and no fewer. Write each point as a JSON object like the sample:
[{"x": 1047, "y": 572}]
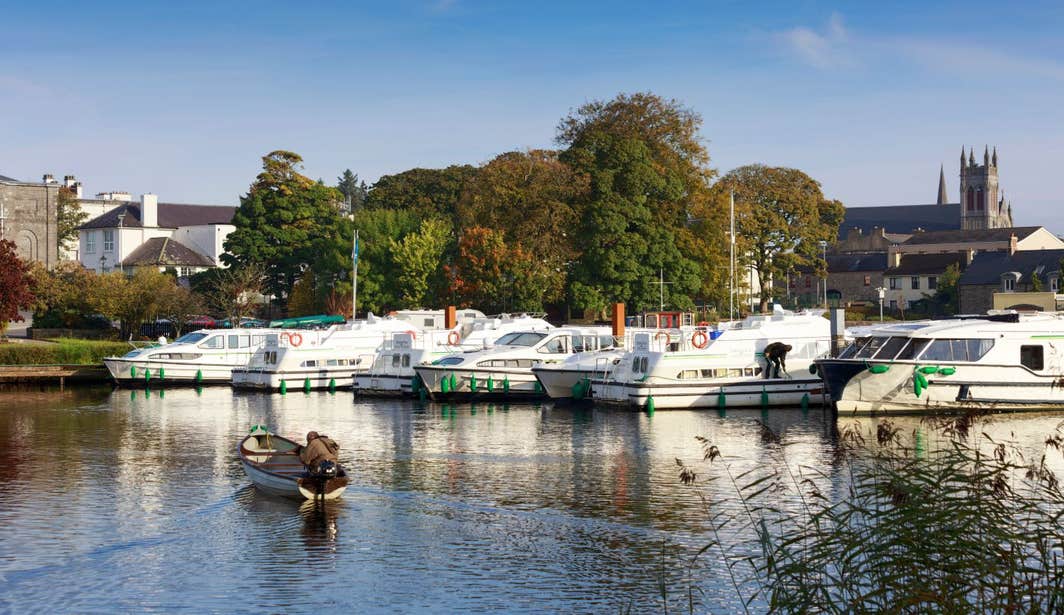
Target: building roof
[
  {"x": 924, "y": 264},
  {"x": 987, "y": 267},
  {"x": 844, "y": 263},
  {"x": 167, "y": 252},
  {"x": 981, "y": 235},
  {"x": 5, "y": 178},
  {"x": 171, "y": 215},
  {"x": 903, "y": 218}
]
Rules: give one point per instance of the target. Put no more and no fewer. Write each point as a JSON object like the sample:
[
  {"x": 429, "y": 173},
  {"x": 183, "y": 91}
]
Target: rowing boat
[{"x": 273, "y": 465}]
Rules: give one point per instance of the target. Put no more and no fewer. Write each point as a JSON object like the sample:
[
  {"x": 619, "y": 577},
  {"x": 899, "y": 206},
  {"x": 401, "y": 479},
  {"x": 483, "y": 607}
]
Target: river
[{"x": 132, "y": 501}]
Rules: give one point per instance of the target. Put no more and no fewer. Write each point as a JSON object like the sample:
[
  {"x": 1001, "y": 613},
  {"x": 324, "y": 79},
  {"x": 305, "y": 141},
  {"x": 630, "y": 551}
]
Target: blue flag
[{"x": 354, "y": 251}]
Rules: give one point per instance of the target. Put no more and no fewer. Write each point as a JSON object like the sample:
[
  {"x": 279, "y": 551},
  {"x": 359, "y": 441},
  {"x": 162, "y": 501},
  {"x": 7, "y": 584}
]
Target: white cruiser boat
[
  {"x": 998, "y": 362},
  {"x": 725, "y": 368},
  {"x": 319, "y": 359},
  {"x": 392, "y": 372},
  {"x": 207, "y": 356},
  {"x": 505, "y": 371}
]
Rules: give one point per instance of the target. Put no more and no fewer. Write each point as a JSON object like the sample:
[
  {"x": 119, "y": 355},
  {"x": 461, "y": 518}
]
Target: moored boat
[
  {"x": 203, "y": 357},
  {"x": 997, "y": 362},
  {"x": 272, "y": 463}
]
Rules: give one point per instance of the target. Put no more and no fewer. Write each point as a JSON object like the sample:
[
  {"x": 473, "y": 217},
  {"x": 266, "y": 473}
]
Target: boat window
[
  {"x": 269, "y": 357},
  {"x": 735, "y": 373},
  {"x": 176, "y": 356},
  {"x": 190, "y": 338},
  {"x": 406, "y": 360},
  {"x": 957, "y": 350},
  {"x": 520, "y": 339},
  {"x": 557, "y": 345},
  {"x": 395, "y": 360},
  {"x": 890, "y": 349},
  {"x": 853, "y": 348},
  {"x": 748, "y": 371},
  {"x": 708, "y": 373},
  {"x": 239, "y": 341},
  {"x": 912, "y": 349},
  {"x": 1032, "y": 357},
  {"x": 216, "y": 342},
  {"x": 757, "y": 371},
  {"x": 606, "y": 341},
  {"x": 450, "y": 361},
  {"x": 257, "y": 340},
  {"x": 871, "y": 347},
  {"x": 331, "y": 363},
  {"x": 690, "y": 374},
  {"x": 310, "y": 363}
]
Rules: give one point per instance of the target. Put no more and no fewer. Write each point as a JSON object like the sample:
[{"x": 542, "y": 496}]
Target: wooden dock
[{"x": 61, "y": 375}]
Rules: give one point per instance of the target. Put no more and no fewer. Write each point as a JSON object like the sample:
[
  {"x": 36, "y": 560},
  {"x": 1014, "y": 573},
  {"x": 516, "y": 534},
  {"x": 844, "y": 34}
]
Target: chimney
[
  {"x": 1013, "y": 245},
  {"x": 969, "y": 256},
  {"x": 893, "y": 259},
  {"x": 68, "y": 181},
  {"x": 149, "y": 210},
  {"x": 48, "y": 178},
  {"x": 77, "y": 189}
]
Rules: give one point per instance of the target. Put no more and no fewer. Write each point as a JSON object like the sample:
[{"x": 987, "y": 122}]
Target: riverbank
[{"x": 62, "y": 351}]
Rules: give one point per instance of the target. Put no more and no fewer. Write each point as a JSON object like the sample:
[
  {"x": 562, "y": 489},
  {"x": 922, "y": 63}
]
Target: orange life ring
[
  {"x": 411, "y": 333},
  {"x": 453, "y": 338},
  {"x": 699, "y": 339},
  {"x": 668, "y": 338},
  {"x": 702, "y": 324},
  {"x": 295, "y": 339}
]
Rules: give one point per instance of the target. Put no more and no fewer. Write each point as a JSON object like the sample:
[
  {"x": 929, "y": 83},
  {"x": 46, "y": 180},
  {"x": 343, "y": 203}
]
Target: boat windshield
[
  {"x": 520, "y": 339},
  {"x": 190, "y": 338}
]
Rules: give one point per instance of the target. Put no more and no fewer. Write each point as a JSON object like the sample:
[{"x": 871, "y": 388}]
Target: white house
[{"x": 186, "y": 238}]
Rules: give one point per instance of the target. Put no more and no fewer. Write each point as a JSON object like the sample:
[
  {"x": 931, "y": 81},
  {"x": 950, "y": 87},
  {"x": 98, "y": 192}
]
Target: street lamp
[
  {"x": 824, "y": 253},
  {"x": 882, "y": 293},
  {"x": 103, "y": 263}
]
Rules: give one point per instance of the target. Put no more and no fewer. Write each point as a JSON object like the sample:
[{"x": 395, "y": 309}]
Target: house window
[
  {"x": 90, "y": 242},
  {"x": 895, "y": 283},
  {"x": 1010, "y": 284},
  {"x": 915, "y": 282},
  {"x": 932, "y": 282},
  {"x": 108, "y": 240},
  {"x": 1054, "y": 284},
  {"x": 868, "y": 280}
]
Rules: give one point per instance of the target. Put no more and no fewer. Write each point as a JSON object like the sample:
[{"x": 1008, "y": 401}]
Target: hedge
[{"x": 62, "y": 351}]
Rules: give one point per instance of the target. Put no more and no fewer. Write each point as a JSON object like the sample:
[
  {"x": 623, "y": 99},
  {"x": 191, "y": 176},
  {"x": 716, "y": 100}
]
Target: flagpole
[
  {"x": 354, "y": 283},
  {"x": 731, "y": 259}
]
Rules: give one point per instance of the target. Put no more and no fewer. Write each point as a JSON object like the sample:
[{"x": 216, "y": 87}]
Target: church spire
[
  {"x": 994, "y": 159},
  {"x": 962, "y": 160},
  {"x": 971, "y": 156},
  {"x": 942, "y": 198},
  {"x": 986, "y": 155}
]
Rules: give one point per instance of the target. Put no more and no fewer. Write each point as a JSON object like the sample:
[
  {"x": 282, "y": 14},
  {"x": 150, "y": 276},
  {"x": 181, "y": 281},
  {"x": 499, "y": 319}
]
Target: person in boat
[
  {"x": 776, "y": 356},
  {"x": 319, "y": 449}
]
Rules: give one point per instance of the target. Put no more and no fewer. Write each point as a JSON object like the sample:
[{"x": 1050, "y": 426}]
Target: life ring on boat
[
  {"x": 411, "y": 333},
  {"x": 295, "y": 340},
  {"x": 668, "y": 338},
  {"x": 453, "y": 338},
  {"x": 699, "y": 339}
]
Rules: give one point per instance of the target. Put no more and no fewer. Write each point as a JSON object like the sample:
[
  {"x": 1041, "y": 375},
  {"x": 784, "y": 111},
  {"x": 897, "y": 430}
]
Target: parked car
[{"x": 201, "y": 322}]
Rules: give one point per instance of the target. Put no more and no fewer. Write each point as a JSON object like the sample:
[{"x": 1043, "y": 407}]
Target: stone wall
[
  {"x": 851, "y": 285},
  {"x": 976, "y": 298},
  {"x": 29, "y": 219}
]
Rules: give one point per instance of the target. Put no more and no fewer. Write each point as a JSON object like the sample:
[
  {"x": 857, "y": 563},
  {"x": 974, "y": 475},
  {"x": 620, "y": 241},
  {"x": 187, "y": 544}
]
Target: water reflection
[{"x": 139, "y": 501}]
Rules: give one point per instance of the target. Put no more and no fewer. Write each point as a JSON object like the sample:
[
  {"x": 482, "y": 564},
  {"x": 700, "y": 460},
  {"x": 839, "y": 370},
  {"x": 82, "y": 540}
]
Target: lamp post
[
  {"x": 882, "y": 293},
  {"x": 824, "y": 254},
  {"x": 103, "y": 263}
]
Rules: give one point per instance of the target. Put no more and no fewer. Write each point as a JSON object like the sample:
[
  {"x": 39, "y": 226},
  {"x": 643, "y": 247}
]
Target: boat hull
[
  {"x": 384, "y": 385},
  {"x": 561, "y": 384},
  {"x": 855, "y": 389},
  {"x": 250, "y": 379},
  {"x": 746, "y": 393},
  {"x": 276, "y": 470},
  {"x": 132, "y": 372},
  {"x": 478, "y": 384}
]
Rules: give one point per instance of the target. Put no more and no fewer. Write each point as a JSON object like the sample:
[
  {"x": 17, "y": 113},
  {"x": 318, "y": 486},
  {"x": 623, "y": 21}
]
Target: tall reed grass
[{"x": 971, "y": 525}]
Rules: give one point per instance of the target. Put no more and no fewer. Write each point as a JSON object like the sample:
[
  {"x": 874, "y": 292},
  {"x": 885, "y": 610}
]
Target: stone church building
[{"x": 29, "y": 218}]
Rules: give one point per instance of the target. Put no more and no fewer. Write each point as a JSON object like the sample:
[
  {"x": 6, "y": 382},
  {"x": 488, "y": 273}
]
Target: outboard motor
[{"x": 325, "y": 470}]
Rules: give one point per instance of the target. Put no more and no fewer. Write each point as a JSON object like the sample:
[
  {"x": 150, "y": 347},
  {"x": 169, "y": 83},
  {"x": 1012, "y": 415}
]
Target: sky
[{"x": 183, "y": 99}]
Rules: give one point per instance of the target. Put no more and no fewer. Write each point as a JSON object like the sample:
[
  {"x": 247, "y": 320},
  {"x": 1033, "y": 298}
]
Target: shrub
[{"x": 62, "y": 351}]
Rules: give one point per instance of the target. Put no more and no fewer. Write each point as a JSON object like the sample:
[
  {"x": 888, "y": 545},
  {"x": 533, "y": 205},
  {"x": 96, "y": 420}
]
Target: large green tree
[
  {"x": 418, "y": 259},
  {"x": 428, "y": 193},
  {"x": 69, "y": 216},
  {"x": 354, "y": 191},
  {"x": 287, "y": 222},
  {"x": 781, "y": 216},
  {"x": 647, "y": 168},
  {"x": 377, "y": 268},
  {"x": 534, "y": 199}
]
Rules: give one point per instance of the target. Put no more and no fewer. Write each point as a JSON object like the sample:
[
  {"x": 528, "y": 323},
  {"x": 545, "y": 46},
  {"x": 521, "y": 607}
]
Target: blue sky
[{"x": 867, "y": 98}]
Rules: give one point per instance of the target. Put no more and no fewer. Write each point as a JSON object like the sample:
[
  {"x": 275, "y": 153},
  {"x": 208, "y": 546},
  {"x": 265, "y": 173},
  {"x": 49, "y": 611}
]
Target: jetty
[{"x": 53, "y": 374}]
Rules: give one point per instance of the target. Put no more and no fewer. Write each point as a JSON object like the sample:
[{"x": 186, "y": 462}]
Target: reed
[{"x": 972, "y": 525}]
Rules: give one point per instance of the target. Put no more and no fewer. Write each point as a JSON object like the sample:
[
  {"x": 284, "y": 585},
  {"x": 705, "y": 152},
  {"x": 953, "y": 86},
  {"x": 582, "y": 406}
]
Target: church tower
[{"x": 981, "y": 207}]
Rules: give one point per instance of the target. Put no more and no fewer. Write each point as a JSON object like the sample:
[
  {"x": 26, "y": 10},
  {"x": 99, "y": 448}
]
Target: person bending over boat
[
  {"x": 776, "y": 357},
  {"x": 319, "y": 449}
]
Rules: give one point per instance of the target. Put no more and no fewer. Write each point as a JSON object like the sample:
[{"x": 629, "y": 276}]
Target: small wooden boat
[{"x": 273, "y": 464}]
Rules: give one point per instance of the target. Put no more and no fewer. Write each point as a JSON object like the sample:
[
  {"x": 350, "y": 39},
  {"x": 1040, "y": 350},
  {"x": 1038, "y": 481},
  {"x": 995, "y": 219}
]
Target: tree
[
  {"x": 428, "y": 193},
  {"x": 235, "y": 292},
  {"x": 180, "y": 305},
  {"x": 479, "y": 276},
  {"x": 781, "y": 215},
  {"x": 16, "y": 292},
  {"x": 533, "y": 198},
  {"x": 353, "y": 190},
  {"x": 302, "y": 301},
  {"x": 377, "y": 268},
  {"x": 946, "y": 292},
  {"x": 69, "y": 218},
  {"x": 647, "y": 169},
  {"x": 62, "y": 295},
  {"x": 287, "y": 222},
  {"x": 419, "y": 258},
  {"x": 132, "y": 300},
  {"x": 1036, "y": 282}
]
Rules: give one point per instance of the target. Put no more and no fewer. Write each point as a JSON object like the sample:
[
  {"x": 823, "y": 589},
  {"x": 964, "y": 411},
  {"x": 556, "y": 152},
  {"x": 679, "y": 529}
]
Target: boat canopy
[{"x": 306, "y": 322}]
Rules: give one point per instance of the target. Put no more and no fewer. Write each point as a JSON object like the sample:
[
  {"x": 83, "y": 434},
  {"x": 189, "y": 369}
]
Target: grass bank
[{"x": 61, "y": 351}]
